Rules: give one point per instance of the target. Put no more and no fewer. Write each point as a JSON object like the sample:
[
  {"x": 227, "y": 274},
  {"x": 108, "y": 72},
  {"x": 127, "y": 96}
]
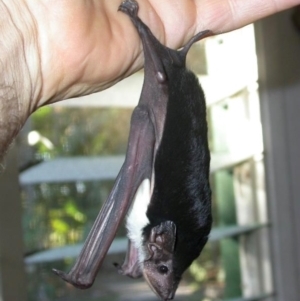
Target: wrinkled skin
[
  {"x": 86, "y": 37},
  {"x": 53, "y": 50}
]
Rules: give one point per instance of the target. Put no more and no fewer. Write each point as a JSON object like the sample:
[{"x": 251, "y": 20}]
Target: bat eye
[{"x": 163, "y": 269}]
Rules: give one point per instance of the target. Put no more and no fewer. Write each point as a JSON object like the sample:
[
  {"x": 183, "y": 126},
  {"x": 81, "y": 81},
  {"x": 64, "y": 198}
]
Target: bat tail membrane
[{"x": 136, "y": 168}]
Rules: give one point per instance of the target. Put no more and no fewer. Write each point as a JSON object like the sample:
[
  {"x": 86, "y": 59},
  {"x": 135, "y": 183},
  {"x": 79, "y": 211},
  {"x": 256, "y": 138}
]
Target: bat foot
[
  {"x": 129, "y": 7},
  {"x": 79, "y": 283}
]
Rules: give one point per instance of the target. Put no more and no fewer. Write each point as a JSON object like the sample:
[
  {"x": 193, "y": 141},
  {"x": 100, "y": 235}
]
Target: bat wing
[
  {"x": 131, "y": 266},
  {"x": 138, "y": 166}
]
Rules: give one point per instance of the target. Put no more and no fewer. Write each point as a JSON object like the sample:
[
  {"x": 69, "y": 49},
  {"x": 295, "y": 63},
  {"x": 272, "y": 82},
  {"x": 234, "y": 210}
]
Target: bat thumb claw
[
  {"x": 60, "y": 274},
  {"x": 70, "y": 278},
  {"x": 119, "y": 268},
  {"x": 116, "y": 265}
]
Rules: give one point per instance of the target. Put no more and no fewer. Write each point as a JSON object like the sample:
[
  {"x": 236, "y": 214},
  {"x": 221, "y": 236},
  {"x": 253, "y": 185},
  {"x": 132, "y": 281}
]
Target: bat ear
[
  {"x": 154, "y": 250},
  {"x": 158, "y": 269},
  {"x": 163, "y": 236}
]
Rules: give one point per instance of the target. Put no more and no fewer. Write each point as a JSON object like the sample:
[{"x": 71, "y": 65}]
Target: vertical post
[
  {"x": 278, "y": 48},
  {"x": 230, "y": 246},
  {"x": 12, "y": 275},
  {"x": 254, "y": 247},
  {"x": 224, "y": 197}
]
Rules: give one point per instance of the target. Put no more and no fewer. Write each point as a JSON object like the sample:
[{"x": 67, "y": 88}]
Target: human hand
[
  {"x": 53, "y": 50},
  {"x": 87, "y": 46}
]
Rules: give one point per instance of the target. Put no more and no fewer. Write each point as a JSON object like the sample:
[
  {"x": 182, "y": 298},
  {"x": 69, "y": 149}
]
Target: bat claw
[
  {"x": 129, "y": 7},
  {"x": 119, "y": 268},
  {"x": 62, "y": 275},
  {"x": 79, "y": 283}
]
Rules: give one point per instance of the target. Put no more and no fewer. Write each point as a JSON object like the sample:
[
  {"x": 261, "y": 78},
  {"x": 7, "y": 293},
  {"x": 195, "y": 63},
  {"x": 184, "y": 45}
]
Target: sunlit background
[{"x": 71, "y": 152}]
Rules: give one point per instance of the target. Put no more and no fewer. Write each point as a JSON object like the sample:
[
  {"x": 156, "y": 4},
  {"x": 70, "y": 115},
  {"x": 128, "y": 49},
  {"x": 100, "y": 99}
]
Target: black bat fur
[{"x": 168, "y": 145}]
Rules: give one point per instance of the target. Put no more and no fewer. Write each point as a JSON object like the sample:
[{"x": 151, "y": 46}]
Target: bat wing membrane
[{"x": 138, "y": 166}]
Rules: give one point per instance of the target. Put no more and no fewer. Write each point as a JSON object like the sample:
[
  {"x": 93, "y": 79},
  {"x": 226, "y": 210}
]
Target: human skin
[{"x": 53, "y": 50}]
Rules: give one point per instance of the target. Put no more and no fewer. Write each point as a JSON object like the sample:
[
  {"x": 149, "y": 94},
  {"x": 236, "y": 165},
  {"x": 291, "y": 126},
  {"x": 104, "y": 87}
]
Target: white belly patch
[{"x": 137, "y": 218}]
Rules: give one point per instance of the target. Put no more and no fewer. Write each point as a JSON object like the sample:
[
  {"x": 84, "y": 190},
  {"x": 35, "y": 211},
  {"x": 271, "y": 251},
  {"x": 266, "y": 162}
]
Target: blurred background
[{"x": 64, "y": 162}]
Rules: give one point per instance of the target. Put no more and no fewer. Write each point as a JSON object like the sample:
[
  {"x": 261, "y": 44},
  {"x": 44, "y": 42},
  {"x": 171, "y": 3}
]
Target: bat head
[{"x": 158, "y": 267}]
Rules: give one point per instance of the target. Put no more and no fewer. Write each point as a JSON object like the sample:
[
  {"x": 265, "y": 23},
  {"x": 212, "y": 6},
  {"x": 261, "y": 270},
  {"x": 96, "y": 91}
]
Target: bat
[{"x": 164, "y": 181}]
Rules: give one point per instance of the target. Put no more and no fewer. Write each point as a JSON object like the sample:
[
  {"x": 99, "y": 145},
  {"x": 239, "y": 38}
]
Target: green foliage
[
  {"x": 63, "y": 213},
  {"x": 84, "y": 131},
  {"x": 59, "y": 214}
]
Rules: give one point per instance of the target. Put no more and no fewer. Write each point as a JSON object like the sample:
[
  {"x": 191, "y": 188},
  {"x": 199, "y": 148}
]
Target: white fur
[{"x": 137, "y": 218}]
